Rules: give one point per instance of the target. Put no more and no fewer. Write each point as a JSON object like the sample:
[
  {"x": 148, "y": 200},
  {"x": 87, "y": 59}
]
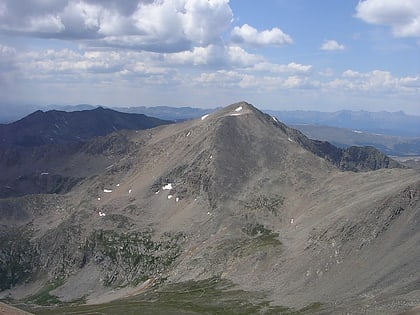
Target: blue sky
[{"x": 277, "y": 54}]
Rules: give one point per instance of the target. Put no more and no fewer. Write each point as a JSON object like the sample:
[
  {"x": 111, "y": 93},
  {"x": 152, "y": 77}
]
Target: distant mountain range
[
  {"x": 58, "y": 127},
  {"x": 387, "y": 123},
  {"x": 341, "y": 137},
  {"x": 395, "y": 134}
]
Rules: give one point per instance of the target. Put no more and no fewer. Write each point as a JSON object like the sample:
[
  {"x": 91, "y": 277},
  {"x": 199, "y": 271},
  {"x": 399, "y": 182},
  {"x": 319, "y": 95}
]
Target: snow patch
[
  {"x": 357, "y": 131},
  {"x": 156, "y": 192},
  {"x": 292, "y": 220},
  {"x": 189, "y": 133},
  {"x": 45, "y": 173},
  {"x": 99, "y": 198},
  {"x": 275, "y": 119},
  {"x": 235, "y": 114},
  {"x": 290, "y": 139},
  {"x": 118, "y": 185},
  {"x": 129, "y": 191},
  {"x": 204, "y": 117},
  {"x": 107, "y": 191},
  {"x": 101, "y": 214},
  {"x": 170, "y": 197},
  {"x": 238, "y": 109},
  {"x": 167, "y": 187},
  {"x": 177, "y": 199}
]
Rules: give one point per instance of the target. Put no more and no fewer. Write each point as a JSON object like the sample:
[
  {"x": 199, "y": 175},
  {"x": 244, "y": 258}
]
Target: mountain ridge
[
  {"x": 233, "y": 196},
  {"x": 388, "y": 123},
  {"x": 54, "y": 126}
]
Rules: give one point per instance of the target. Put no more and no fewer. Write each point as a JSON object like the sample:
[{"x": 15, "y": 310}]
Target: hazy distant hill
[
  {"x": 54, "y": 126},
  {"x": 395, "y": 123},
  {"x": 390, "y": 145}
]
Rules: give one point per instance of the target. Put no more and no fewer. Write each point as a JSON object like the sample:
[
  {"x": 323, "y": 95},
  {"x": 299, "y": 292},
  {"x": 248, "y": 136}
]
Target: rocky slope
[{"x": 234, "y": 196}]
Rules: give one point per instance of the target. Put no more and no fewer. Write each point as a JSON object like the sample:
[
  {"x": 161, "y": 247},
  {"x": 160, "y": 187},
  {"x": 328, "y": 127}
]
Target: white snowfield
[
  {"x": 101, "y": 214},
  {"x": 167, "y": 187},
  {"x": 204, "y": 117},
  {"x": 107, "y": 191},
  {"x": 238, "y": 109}
]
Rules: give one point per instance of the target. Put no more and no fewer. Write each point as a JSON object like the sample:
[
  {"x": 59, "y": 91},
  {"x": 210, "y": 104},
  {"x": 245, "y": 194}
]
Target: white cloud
[
  {"x": 250, "y": 36},
  {"x": 240, "y": 58},
  {"x": 403, "y": 16},
  {"x": 235, "y": 68},
  {"x": 3, "y": 9},
  {"x": 162, "y": 26},
  {"x": 297, "y": 82},
  {"x": 6, "y": 51},
  {"x": 331, "y": 45},
  {"x": 46, "y": 24},
  {"x": 7, "y": 60},
  {"x": 292, "y": 67},
  {"x": 376, "y": 81}
]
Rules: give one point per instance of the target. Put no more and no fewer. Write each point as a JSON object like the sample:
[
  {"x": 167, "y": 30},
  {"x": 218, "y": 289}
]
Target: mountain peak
[
  {"x": 244, "y": 121},
  {"x": 54, "y": 126},
  {"x": 235, "y": 195},
  {"x": 235, "y": 110}
]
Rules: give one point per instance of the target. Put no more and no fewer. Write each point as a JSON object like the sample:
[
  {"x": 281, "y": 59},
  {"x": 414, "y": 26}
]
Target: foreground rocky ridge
[{"x": 235, "y": 196}]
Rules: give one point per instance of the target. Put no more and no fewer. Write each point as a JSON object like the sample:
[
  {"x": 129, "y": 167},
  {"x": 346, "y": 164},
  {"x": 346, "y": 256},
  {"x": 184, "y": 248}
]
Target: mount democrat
[{"x": 235, "y": 205}]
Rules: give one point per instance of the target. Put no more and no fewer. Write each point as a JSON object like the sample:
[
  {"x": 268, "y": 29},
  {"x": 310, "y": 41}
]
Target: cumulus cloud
[
  {"x": 6, "y": 52},
  {"x": 331, "y": 45},
  {"x": 160, "y": 26},
  {"x": 402, "y": 16},
  {"x": 376, "y": 81},
  {"x": 248, "y": 35},
  {"x": 226, "y": 79},
  {"x": 298, "y": 82},
  {"x": 292, "y": 67},
  {"x": 8, "y": 57}
]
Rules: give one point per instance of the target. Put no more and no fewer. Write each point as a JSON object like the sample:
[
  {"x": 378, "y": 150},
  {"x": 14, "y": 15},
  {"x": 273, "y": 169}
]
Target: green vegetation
[
  {"x": 43, "y": 296},
  {"x": 261, "y": 236},
  {"x": 17, "y": 258},
  {"x": 132, "y": 257},
  {"x": 210, "y": 296},
  {"x": 270, "y": 204}
]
